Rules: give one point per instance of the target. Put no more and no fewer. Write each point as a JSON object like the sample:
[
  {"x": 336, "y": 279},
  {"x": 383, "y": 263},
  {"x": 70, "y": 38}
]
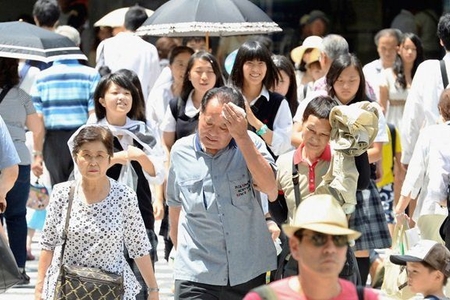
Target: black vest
[
  {"x": 184, "y": 125},
  {"x": 144, "y": 195},
  {"x": 266, "y": 111}
]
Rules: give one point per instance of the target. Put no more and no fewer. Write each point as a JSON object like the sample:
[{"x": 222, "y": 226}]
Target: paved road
[{"x": 163, "y": 275}]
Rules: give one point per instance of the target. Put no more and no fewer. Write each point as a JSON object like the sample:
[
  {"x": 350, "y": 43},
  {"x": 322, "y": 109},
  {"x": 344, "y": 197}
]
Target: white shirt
[
  {"x": 372, "y": 74},
  {"x": 421, "y": 107},
  {"x": 128, "y": 51},
  {"x": 169, "y": 123},
  {"x": 423, "y": 165},
  {"x": 158, "y": 101},
  {"x": 27, "y": 82}
]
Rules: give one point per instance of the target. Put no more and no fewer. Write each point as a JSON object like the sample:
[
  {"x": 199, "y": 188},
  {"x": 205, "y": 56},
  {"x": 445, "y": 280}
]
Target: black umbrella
[
  {"x": 26, "y": 41},
  {"x": 208, "y": 17}
]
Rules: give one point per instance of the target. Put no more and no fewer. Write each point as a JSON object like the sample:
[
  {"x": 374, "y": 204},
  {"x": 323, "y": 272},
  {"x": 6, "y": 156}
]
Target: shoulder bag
[{"x": 78, "y": 282}]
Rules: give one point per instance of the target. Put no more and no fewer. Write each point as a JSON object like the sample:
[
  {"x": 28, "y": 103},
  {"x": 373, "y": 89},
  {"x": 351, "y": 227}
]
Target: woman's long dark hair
[
  {"x": 339, "y": 64},
  {"x": 398, "y": 64},
  {"x": 9, "y": 74},
  {"x": 206, "y": 56},
  {"x": 284, "y": 64}
]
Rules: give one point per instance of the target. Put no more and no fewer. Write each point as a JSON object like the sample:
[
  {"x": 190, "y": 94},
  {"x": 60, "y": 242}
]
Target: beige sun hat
[
  {"x": 321, "y": 213},
  {"x": 310, "y": 42},
  {"x": 314, "y": 56}
]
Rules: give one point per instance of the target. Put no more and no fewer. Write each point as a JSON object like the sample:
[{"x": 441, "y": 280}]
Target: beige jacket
[{"x": 353, "y": 129}]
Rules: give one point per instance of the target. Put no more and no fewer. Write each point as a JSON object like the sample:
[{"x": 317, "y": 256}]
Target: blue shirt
[
  {"x": 8, "y": 153},
  {"x": 64, "y": 94},
  {"x": 222, "y": 233}
]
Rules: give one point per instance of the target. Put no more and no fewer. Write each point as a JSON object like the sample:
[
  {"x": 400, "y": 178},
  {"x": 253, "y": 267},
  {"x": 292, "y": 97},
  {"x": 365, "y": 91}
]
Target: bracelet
[
  {"x": 262, "y": 130},
  {"x": 269, "y": 219},
  {"x": 37, "y": 153},
  {"x": 152, "y": 289}
]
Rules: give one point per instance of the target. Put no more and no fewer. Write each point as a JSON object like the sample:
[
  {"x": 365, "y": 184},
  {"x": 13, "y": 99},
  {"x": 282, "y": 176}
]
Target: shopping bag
[
  {"x": 38, "y": 197},
  {"x": 9, "y": 272},
  {"x": 128, "y": 176},
  {"x": 395, "y": 283}
]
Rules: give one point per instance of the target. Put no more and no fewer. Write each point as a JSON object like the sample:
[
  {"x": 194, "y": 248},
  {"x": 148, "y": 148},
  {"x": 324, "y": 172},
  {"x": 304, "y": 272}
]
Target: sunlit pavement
[{"x": 26, "y": 292}]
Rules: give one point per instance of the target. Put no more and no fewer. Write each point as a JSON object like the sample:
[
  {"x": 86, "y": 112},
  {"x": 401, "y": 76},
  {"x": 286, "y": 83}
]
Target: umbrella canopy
[
  {"x": 116, "y": 18},
  {"x": 22, "y": 40},
  {"x": 208, "y": 17}
]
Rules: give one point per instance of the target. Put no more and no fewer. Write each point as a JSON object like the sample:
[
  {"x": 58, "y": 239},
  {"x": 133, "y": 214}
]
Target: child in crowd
[{"x": 428, "y": 266}]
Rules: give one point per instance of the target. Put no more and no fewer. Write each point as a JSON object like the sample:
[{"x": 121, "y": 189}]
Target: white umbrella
[
  {"x": 116, "y": 18},
  {"x": 208, "y": 17}
]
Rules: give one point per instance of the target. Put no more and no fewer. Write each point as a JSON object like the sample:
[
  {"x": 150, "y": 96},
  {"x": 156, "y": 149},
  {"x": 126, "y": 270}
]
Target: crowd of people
[{"x": 344, "y": 150}]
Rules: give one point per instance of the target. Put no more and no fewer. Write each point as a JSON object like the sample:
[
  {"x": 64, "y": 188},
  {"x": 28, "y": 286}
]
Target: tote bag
[{"x": 395, "y": 283}]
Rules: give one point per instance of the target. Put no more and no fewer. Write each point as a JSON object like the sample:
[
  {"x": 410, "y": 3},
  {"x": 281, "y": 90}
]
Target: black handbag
[
  {"x": 9, "y": 272},
  {"x": 78, "y": 282}
]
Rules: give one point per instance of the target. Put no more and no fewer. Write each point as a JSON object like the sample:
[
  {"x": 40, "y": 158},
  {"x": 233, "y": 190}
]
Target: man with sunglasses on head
[{"x": 318, "y": 240}]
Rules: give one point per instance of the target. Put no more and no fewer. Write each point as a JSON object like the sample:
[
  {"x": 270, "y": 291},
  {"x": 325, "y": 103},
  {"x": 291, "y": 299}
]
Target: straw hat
[
  {"x": 310, "y": 42},
  {"x": 314, "y": 56},
  {"x": 321, "y": 213}
]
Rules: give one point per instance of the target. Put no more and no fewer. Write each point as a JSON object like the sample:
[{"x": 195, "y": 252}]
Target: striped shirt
[{"x": 64, "y": 94}]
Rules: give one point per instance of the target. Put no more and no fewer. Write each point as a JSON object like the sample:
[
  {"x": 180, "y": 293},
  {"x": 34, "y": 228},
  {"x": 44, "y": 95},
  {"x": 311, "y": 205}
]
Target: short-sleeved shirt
[
  {"x": 14, "y": 109},
  {"x": 64, "y": 94},
  {"x": 8, "y": 153},
  {"x": 97, "y": 234},
  {"x": 222, "y": 234},
  {"x": 310, "y": 176}
]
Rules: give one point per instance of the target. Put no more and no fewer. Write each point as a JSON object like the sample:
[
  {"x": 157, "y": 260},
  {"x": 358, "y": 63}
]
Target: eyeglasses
[{"x": 320, "y": 239}]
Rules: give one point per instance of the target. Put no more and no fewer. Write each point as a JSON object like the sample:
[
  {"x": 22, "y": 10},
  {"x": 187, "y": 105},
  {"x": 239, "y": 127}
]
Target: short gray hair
[
  {"x": 69, "y": 32},
  {"x": 334, "y": 45}
]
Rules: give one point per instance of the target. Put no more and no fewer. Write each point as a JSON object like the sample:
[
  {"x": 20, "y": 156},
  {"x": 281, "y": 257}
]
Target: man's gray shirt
[{"x": 222, "y": 233}]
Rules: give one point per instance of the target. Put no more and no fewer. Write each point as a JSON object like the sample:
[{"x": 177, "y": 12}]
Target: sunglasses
[{"x": 320, "y": 239}]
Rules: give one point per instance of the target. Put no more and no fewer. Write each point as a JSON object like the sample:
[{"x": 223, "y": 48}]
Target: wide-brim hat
[
  {"x": 314, "y": 56},
  {"x": 431, "y": 252},
  {"x": 321, "y": 213},
  {"x": 310, "y": 42}
]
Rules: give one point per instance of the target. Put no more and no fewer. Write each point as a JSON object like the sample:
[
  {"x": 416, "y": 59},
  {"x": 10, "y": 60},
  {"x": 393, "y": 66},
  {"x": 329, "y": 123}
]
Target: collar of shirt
[
  {"x": 326, "y": 156},
  {"x": 199, "y": 148},
  {"x": 264, "y": 93},
  {"x": 298, "y": 158}
]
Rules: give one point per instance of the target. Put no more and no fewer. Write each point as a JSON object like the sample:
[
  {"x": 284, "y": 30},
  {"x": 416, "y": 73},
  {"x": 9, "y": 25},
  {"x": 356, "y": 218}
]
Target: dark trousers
[
  {"x": 16, "y": 215},
  {"x": 193, "y": 290},
  {"x": 57, "y": 156}
]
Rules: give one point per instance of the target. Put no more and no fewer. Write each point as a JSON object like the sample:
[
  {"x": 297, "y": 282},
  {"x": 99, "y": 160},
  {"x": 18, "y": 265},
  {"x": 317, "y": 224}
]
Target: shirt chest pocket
[
  {"x": 241, "y": 189},
  {"x": 193, "y": 195}
]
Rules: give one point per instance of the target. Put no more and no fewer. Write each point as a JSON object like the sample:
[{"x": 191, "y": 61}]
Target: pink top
[{"x": 284, "y": 292}]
